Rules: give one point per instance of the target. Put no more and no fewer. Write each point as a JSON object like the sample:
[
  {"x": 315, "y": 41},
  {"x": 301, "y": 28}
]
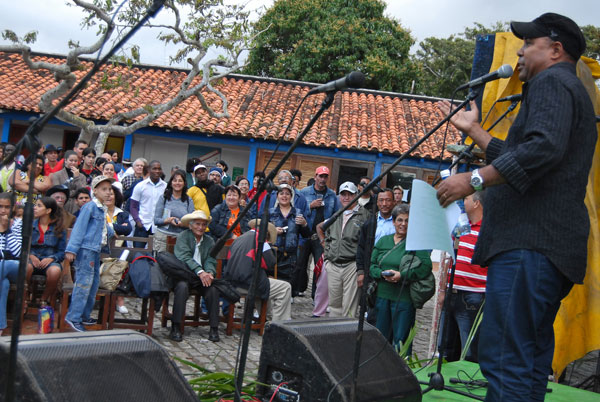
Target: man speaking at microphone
[{"x": 535, "y": 227}]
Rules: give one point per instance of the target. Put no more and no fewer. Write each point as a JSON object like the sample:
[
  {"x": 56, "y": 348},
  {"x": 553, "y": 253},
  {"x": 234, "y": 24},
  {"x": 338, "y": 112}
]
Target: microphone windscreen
[
  {"x": 505, "y": 71},
  {"x": 355, "y": 79}
]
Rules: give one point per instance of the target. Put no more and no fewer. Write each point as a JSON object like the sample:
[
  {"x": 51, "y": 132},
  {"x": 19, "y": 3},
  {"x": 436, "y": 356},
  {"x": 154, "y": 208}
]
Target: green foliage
[
  {"x": 445, "y": 64},
  {"x": 211, "y": 386},
  {"x": 321, "y": 40},
  {"x": 29, "y": 38},
  {"x": 592, "y": 37}
]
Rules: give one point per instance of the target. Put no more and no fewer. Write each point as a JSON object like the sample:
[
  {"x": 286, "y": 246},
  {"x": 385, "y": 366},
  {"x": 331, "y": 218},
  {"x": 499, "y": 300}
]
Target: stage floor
[{"x": 466, "y": 371}]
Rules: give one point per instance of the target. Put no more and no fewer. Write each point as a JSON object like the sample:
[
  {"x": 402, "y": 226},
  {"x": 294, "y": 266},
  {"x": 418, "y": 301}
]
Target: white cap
[
  {"x": 348, "y": 186},
  {"x": 200, "y": 166}
]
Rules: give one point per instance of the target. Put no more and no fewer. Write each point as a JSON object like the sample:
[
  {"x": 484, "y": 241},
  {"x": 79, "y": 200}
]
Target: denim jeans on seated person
[
  {"x": 9, "y": 270},
  {"x": 87, "y": 280},
  {"x": 516, "y": 340}
]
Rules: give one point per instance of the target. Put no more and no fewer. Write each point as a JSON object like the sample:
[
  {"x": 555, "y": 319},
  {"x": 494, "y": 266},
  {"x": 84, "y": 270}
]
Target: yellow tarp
[{"x": 577, "y": 325}]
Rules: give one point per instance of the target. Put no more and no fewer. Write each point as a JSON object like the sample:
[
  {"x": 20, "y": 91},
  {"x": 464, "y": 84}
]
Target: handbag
[
  {"x": 423, "y": 289},
  {"x": 111, "y": 273}
]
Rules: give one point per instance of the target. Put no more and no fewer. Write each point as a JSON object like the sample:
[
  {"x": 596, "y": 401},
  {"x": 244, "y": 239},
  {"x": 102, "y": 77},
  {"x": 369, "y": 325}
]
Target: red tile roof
[{"x": 258, "y": 107}]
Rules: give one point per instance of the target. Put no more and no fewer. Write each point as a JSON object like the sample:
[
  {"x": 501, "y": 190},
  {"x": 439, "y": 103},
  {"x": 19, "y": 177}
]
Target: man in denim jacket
[
  {"x": 90, "y": 234},
  {"x": 323, "y": 202}
]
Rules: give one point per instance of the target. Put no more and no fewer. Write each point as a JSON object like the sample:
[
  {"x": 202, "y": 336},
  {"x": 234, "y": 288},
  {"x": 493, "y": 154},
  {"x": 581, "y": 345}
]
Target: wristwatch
[{"x": 476, "y": 180}]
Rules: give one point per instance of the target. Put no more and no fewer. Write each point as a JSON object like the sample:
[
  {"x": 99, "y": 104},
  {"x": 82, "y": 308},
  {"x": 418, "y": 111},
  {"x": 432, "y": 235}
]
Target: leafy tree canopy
[
  {"x": 322, "y": 40},
  {"x": 592, "y": 37}
]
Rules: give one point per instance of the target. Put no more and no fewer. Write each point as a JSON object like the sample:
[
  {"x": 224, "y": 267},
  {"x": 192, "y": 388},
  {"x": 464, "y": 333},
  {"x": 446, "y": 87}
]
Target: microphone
[
  {"x": 355, "y": 79},
  {"x": 511, "y": 98},
  {"x": 503, "y": 72}
]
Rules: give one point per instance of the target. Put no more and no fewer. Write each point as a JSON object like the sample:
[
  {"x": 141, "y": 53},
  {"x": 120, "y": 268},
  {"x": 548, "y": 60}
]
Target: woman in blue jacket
[
  {"x": 290, "y": 224},
  {"x": 48, "y": 243}
]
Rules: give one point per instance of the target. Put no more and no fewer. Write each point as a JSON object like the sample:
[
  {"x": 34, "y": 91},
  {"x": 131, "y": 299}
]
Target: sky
[{"x": 56, "y": 23}]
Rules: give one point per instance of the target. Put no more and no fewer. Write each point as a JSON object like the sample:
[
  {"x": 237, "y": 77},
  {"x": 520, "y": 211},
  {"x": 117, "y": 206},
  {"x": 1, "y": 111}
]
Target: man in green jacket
[
  {"x": 192, "y": 248},
  {"x": 340, "y": 244}
]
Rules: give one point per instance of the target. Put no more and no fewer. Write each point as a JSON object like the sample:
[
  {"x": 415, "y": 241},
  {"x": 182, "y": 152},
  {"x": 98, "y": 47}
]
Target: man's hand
[
  {"x": 206, "y": 278},
  {"x": 69, "y": 256},
  {"x": 317, "y": 203},
  {"x": 454, "y": 188},
  {"x": 360, "y": 279},
  {"x": 464, "y": 120},
  {"x": 139, "y": 224}
]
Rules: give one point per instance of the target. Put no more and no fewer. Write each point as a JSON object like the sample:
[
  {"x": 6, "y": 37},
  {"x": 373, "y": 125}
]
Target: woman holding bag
[{"x": 394, "y": 268}]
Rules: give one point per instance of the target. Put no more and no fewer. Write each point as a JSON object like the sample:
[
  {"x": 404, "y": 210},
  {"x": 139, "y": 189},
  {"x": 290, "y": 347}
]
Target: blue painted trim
[
  {"x": 377, "y": 170},
  {"x": 127, "y": 146},
  {"x": 6, "y": 129},
  {"x": 252, "y": 162}
]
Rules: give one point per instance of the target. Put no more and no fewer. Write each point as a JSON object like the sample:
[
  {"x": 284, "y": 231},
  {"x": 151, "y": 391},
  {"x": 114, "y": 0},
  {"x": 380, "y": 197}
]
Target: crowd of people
[{"x": 98, "y": 196}]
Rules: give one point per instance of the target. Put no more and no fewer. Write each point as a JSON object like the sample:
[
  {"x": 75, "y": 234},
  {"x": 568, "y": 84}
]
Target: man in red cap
[
  {"x": 323, "y": 203},
  {"x": 535, "y": 225}
]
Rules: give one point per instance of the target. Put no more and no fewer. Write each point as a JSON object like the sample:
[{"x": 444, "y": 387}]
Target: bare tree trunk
[
  {"x": 85, "y": 136},
  {"x": 101, "y": 143}
]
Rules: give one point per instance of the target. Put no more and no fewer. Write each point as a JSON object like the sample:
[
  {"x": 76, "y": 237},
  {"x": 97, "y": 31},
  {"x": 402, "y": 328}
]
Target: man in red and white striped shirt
[{"x": 468, "y": 291}]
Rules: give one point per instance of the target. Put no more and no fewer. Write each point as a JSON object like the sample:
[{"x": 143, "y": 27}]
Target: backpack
[{"x": 146, "y": 276}]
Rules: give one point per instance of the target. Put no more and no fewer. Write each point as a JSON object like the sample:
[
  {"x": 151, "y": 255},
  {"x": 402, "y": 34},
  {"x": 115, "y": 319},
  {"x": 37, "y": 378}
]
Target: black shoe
[
  {"x": 175, "y": 334},
  {"x": 213, "y": 335},
  {"x": 89, "y": 321}
]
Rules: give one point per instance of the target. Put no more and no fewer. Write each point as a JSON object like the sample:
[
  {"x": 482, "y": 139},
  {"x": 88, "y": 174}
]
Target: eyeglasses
[{"x": 363, "y": 183}]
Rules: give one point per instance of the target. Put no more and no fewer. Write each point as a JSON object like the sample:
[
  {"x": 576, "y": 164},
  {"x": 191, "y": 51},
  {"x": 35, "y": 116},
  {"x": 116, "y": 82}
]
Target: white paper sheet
[{"x": 429, "y": 225}]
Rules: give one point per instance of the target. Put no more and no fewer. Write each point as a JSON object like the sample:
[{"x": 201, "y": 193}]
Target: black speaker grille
[{"x": 108, "y": 366}]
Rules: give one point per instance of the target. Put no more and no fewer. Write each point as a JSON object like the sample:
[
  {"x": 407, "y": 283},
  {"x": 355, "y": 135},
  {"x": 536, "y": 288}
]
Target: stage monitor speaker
[
  {"x": 118, "y": 365},
  {"x": 315, "y": 357}
]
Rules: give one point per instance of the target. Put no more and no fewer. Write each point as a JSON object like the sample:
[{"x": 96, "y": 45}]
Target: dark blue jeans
[
  {"x": 140, "y": 232},
  {"x": 516, "y": 342},
  {"x": 395, "y": 320},
  {"x": 462, "y": 309}
]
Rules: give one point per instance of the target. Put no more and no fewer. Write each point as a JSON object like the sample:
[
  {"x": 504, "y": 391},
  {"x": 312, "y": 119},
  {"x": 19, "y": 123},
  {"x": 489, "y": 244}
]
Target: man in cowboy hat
[
  {"x": 240, "y": 266},
  {"x": 192, "y": 248}
]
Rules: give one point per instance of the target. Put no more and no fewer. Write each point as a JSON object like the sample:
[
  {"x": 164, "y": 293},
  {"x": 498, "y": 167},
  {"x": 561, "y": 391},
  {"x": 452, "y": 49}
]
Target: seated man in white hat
[
  {"x": 192, "y": 248},
  {"x": 240, "y": 265}
]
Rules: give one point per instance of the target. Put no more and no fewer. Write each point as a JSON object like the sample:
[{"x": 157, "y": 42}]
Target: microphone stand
[
  {"x": 31, "y": 142},
  {"x": 266, "y": 184},
  {"x": 363, "y": 306}
]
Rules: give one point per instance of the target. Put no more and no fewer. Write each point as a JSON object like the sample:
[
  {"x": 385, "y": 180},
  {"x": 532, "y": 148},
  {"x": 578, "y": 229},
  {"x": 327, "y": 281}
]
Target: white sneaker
[{"x": 122, "y": 309}]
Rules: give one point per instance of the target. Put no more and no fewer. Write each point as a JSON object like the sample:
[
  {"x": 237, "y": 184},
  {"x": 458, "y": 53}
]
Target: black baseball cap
[
  {"x": 555, "y": 26},
  {"x": 50, "y": 148}
]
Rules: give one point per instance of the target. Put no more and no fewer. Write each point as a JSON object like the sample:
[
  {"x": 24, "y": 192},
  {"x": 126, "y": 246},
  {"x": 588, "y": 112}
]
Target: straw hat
[
  {"x": 271, "y": 228},
  {"x": 197, "y": 214}
]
